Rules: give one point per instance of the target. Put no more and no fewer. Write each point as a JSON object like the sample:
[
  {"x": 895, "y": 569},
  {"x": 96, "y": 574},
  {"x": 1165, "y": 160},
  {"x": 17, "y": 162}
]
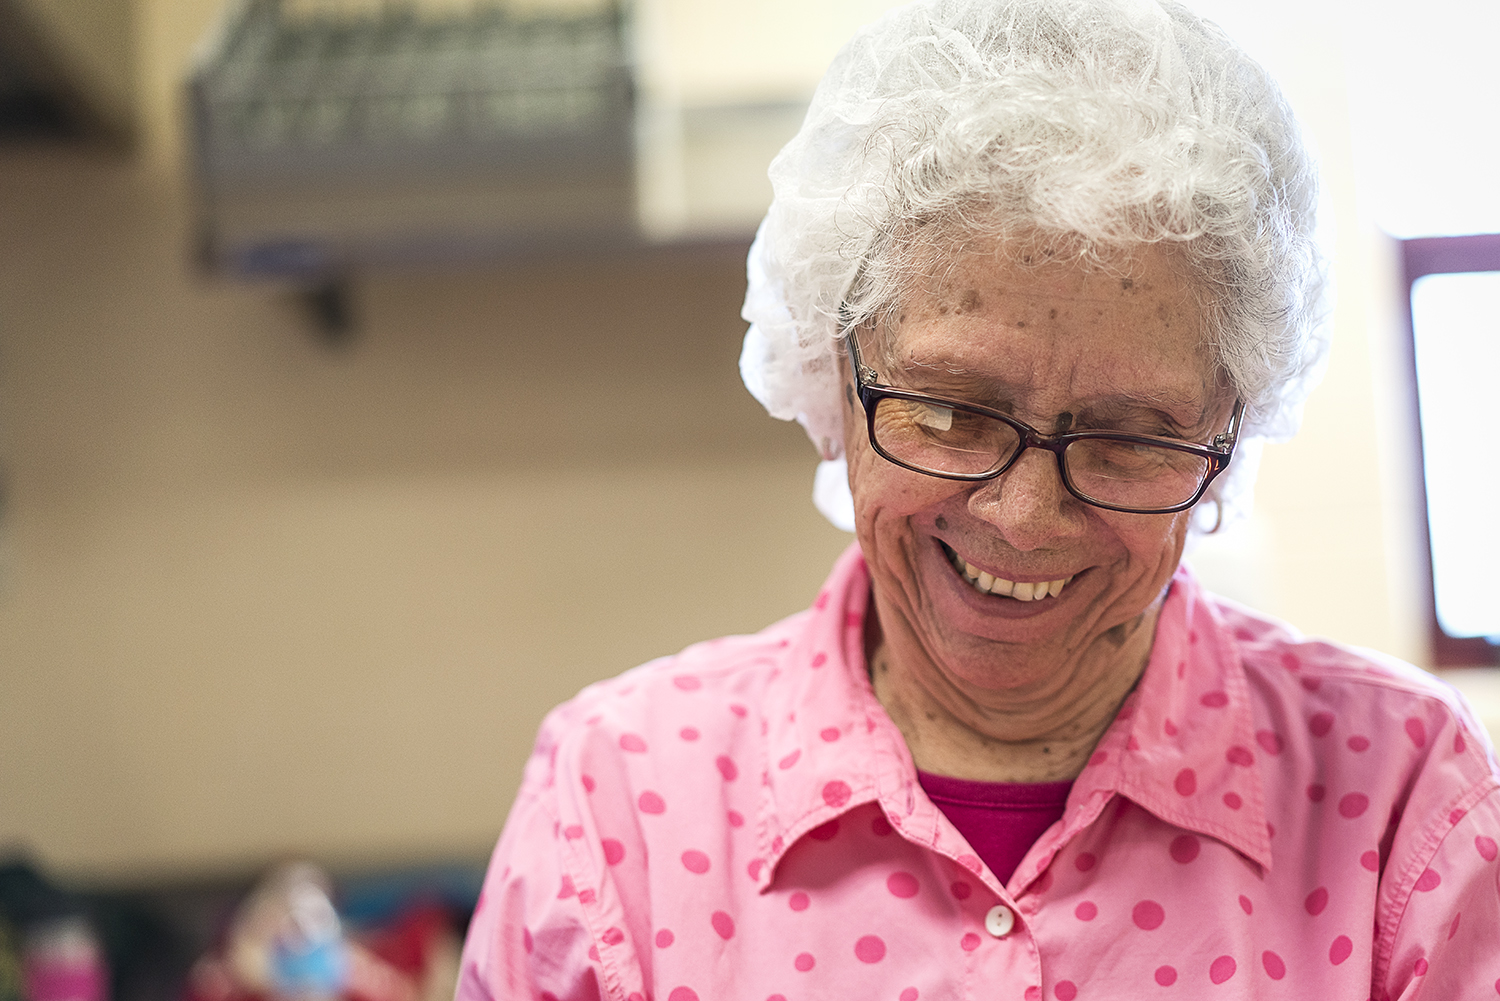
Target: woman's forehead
[{"x": 1112, "y": 337}]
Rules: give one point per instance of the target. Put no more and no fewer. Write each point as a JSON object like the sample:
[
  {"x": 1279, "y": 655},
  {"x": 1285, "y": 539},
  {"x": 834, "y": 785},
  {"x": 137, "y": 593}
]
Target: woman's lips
[{"x": 987, "y": 583}]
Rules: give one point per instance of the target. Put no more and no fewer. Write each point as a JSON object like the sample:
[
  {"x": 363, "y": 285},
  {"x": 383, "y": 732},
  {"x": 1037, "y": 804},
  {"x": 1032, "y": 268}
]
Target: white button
[{"x": 999, "y": 921}]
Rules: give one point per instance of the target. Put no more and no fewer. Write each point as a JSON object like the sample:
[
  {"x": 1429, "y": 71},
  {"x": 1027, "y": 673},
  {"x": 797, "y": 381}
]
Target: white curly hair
[{"x": 1091, "y": 125}]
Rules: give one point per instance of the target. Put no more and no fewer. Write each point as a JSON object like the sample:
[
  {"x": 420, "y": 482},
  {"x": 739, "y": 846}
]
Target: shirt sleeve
[
  {"x": 529, "y": 938},
  {"x": 1447, "y": 939}
]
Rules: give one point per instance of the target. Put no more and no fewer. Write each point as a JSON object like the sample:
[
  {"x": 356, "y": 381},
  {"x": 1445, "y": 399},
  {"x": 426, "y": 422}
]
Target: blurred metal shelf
[{"x": 327, "y": 139}]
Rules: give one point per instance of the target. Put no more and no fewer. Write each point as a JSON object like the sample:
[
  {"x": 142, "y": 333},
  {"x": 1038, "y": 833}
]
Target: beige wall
[{"x": 260, "y": 597}]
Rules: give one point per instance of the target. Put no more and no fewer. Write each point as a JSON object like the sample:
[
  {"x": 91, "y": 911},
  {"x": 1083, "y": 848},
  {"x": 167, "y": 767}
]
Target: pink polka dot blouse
[{"x": 1268, "y": 817}]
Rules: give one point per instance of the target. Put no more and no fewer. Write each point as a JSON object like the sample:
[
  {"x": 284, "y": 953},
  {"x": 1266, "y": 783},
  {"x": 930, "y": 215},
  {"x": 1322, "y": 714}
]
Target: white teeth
[{"x": 1022, "y": 591}]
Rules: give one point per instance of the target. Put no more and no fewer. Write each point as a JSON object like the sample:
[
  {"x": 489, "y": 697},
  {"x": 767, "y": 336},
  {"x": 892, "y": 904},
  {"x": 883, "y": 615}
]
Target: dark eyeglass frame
[{"x": 872, "y": 392}]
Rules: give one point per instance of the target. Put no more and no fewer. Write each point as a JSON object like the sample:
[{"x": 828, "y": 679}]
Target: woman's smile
[{"x": 993, "y": 584}]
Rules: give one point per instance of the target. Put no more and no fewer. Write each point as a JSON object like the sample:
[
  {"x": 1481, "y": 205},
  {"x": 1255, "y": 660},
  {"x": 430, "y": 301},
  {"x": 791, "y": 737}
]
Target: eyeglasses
[{"x": 1133, "y": 473}]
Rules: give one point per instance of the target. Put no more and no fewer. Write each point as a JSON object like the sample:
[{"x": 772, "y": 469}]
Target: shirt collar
[{"x": 1182, "y": 746}]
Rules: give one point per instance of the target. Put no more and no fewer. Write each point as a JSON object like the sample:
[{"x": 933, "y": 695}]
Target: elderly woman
[{"x": 1035, "y": 271}]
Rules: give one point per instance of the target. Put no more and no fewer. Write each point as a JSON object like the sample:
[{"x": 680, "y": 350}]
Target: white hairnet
[{"x": 1097, "y": 124}]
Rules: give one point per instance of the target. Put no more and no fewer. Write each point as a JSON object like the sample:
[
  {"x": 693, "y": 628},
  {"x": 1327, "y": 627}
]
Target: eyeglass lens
[{"x": 940, "y": 439}]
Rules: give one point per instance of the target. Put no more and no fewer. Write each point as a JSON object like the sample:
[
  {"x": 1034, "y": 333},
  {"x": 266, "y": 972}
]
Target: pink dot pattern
[
  {"x": 869, "y": 949},
  {"x": 1353, "y": 804},
  {"x": 1185, "y": 848},
  {"x": 698, "y": 828},
  {"x": 903, "y": 885},
  {"x": 1148, "y": 915},
  {"x": 826, "y": 831}
]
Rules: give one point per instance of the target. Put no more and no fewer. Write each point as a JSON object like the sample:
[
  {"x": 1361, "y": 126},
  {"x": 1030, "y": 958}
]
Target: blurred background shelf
[{"x": 328, "y": 138}]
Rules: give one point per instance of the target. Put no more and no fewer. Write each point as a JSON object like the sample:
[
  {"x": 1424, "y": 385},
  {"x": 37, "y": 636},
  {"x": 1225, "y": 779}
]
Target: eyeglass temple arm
[
  {"x": 862, "y": 372},
  {"x": 1231, "y": 436}
]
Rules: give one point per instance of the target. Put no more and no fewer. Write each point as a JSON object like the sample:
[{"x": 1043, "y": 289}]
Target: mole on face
[
  {"x": 969, "y": 302},
  {"x": 942, "y": 523},
  {"x": 1126, "y": 284}
]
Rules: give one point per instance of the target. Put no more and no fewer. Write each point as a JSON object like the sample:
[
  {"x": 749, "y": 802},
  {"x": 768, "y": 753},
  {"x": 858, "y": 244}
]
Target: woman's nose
[{"x": 1029, "y": 504}]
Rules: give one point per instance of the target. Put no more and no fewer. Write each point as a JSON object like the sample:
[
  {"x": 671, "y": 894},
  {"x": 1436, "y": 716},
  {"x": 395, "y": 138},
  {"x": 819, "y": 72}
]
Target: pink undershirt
[{"x": 1000, "y": 820}]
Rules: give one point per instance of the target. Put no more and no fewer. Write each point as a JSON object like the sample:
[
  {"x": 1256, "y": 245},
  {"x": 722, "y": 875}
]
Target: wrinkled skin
[{"x": 993, "y": 688}]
